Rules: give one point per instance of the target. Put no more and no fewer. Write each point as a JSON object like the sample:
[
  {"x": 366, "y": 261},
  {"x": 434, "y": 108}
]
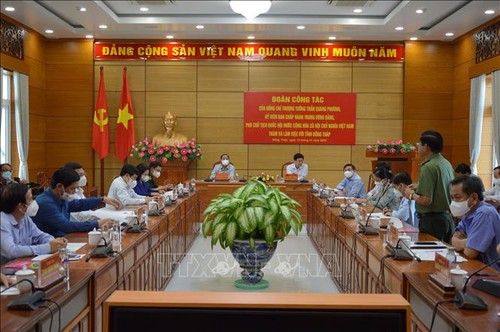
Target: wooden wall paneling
[
  {"x": 69, "y": 77},
  {"x": 211, "y": 154},
  {"x": 464, "y": 50},
  {"x": 36, "y": 158},
  {"x": 359, "y": 158},
  {"x": 171, "y": 76},
  {"x": 461, "y": 80},
  {"x": 459, "y": 154},
  {"x": 413, "y": 129},
  {"x": 12, "y": 63},
  {"x": 270, "y": 156},
  {"x": 78, "y": 103},
  {"x": 70, "y": 52},
  {"x": 428, "y": 80},
  {"x": 220, "y": 104},
  {"x": 279, "y": 78},
  {"x": 370, "y": 130},
  {"x": 325, "y": 157},
  {"x": 113, "y": 76},
  {"x": 37, "y": 100},
  {"x": 326, "y": 77},
  {"x": 36, "y": 73},
  {"x": 330, "y": 178},
  {"x": 209, "y": 130},
  {"x": 69, "y": 129},
  {"x": 375, "y": 78},
  {"x": 65, "y": 152},
  {"x": 37, "y": 129},
  {"x": 460, "y": 132},
  {"x": 428, "y": 54},
  {"x": 182, "y": 104},
  {"x": 224, "y": 77},
  {"x": 35, "y": 47},
  {"x": 379, "y": 106},
  {"x": 428, "y": 106}
]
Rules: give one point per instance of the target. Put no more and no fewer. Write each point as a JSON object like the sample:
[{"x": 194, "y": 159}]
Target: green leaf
[
  {"x": 269, "y": 234},
  {"x": 251, "y": 242},
  {"x": 217, "y": 232},
  {"x": 243, "y": 222},
  {"x": 205, "y": 227},
  {"x": 285, "y": 211},
  {"x": 231, "y": 231}
]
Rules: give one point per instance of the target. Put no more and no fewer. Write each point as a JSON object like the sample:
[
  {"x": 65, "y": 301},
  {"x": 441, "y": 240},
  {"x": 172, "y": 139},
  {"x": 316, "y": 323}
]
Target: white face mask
[
  {"x": 156, "y": 174},
  {"x": 132, "y": 183},
  {"x": 68, "y": 197},
  {"x": 458, "y": 209},
  {"x": 378, "y": 183},
  {"x": 348, "y": 174},
  {"x": 225, "y": 162},
  {"x": 145, "y": 178},
  {"x": 32, "y": 209},
  {"x": 83, "y": 181}
]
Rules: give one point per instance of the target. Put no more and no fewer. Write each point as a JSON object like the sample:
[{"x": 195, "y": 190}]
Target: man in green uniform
[{"x": 432, "y": 194}]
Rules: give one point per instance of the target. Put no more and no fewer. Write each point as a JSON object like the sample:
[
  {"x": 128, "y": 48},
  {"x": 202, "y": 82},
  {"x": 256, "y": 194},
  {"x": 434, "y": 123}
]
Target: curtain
[
  {"x": 21, "y": 93},
  {"x": 477, "y": 94},
  {"x": 495, "y": 90}
]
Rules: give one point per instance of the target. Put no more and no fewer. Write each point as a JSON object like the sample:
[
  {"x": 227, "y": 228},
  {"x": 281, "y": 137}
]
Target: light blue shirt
[
  {"x": 354, "y": 185},
  {"x": 301, "y": 171},
  {"x": 22, "y": 239},
  {"x": 403, "y": 213},
  {"x": 219, "y": 168}
]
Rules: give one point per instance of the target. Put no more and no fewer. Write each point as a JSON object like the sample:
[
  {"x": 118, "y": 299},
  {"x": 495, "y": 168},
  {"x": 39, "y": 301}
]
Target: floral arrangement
[
  {"x": 391, "y": 147},
  {"x": 263, "y": 177},
  {"x": 147, "y": 151}
]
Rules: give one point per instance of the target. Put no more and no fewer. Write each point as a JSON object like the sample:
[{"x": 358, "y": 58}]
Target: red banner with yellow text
[
  {"x": 247, "y": 52},
  {"x": 299, "y": 118}
]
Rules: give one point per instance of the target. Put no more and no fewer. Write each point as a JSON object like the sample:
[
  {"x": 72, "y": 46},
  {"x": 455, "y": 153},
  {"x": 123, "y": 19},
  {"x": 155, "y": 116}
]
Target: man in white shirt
[
  {"x": 80, "y": 194},
  {"x": 494, "y": 192},
  {"x": 122, "y": 187},
  {"x": 298, "y": 167}
]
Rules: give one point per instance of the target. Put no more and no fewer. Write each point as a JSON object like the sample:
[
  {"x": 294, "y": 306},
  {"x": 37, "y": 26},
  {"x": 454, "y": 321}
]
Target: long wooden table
[{"x": 359, "y": 264}]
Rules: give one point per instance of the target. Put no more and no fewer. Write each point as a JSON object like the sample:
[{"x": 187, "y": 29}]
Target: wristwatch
[{"x": 411, "y": 196}]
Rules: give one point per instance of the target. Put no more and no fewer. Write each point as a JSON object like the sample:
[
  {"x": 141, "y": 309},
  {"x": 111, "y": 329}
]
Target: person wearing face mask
[
  {"x": 406, "y": 210},
  {"x": 378, "y": 184},
  {"x": 122, "y": 187},
  {"x": 154, "y": 173},
  {"x": 298, "y": 167},
  {"x": 224, "y": 166},
  {"x": 20, "y": 237},
  {"x": 478, "y": 232},
  {"x": 58, "y": 201},
  {"x": 352, "y": 185},
  {"x": 387, "y": 197},
  {"x": 80, "y": 194},
  {"x": 142, "y": 178}
]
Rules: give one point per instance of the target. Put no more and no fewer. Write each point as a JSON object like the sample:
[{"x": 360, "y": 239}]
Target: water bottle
[
  {"x": 64, "y": 265},
  {"x": 116, "y": 242},
  {"x": 388, "y": 233},
  {"x": 452, "y": 257}
]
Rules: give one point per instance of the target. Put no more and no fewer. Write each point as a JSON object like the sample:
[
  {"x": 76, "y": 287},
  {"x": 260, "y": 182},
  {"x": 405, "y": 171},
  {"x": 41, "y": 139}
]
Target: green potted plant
[{"x": 251, "y": 221}]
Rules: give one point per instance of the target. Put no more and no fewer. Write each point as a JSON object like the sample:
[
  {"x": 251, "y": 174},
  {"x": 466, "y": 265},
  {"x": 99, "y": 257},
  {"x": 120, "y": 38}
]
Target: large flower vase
[{"x": 252, "y": 261}]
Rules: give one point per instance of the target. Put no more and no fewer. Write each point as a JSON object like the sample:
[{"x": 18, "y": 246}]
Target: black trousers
[{"x": 440, "y": 225}]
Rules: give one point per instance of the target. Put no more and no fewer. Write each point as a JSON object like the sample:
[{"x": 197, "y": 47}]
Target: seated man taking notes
[
  {"x": 298, "y": 167},
  {"x": 19, "y": 235}
]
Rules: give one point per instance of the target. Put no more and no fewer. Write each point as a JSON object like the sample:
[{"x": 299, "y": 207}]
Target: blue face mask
[{"x": 7, "y": 175}]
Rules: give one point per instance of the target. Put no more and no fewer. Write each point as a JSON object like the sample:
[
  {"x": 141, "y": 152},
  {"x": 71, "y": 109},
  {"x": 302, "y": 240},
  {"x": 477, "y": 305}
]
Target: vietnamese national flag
[
  {"x": 125, "y": 135},
  {"x": 100, "y": 127}
]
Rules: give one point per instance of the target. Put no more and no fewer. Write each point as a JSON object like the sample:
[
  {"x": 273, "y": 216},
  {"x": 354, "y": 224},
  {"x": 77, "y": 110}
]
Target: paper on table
[
  {"x": 430, "y": 254},
  {"x": 10, "y": 291},
  {"x": 40, "y": 257},
  {"x": 74, "y": 246},
  {"x": 111, "y": 213}
]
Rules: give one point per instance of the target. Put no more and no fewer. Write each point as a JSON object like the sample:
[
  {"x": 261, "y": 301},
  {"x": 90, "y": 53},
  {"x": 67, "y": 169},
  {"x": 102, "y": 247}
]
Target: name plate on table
[
  {"x": 222, "y": 177},
  {"x": 48, "y": 274},
  {"x": 291, "y": 177},
  {"x": 441, "y": 279}
]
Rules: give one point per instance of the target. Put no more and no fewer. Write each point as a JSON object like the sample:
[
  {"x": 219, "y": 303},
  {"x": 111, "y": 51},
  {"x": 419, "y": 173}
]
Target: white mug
[
  {"x": 458, "y": 277},
  {"x": 374, "y": 222},
  {"x": 25, "y": 274},
  {"x": 94, "y": 238}
]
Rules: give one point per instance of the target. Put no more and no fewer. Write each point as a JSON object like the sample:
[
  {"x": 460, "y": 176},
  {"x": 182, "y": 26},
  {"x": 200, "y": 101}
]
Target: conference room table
[{"x": 359, "y": 263}]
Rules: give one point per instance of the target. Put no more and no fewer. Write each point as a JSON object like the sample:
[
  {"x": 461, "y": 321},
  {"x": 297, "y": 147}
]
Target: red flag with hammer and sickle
[{"x": 100, "y": 128}]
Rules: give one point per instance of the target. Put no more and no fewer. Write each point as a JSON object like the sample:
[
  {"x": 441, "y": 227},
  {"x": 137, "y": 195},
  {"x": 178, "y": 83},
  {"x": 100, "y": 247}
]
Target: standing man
[
  {"x": 298, "y": 167},
  {"x": 432, "y": 196}
]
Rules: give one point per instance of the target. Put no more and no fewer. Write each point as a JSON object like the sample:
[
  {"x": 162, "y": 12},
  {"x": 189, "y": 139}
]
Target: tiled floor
[{"x": 295, "y": 267}]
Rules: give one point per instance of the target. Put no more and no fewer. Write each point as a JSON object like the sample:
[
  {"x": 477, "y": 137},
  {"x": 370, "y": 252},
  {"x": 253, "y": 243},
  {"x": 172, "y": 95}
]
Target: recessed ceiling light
[
  {"x": 89, "y": 36},
  {"x": 169, "y": 37},
  {"x": 251, "y": 37},
  {"x": 449, "y": 34},
  {"x": 103, "y": 26},
  {"x": 144, "y": 9},
  {"x": 420, "y": 11},
  {"x": 399, "y": 28},
  {"x": 300, "y": 27},
  {"x": 332, "y": 37},
  {"x": 49, "y": 31},
  {"x": 413, "y": 38},
  {"x": 358, "y": 10},
  {"x": 487, "y": 12},
  {"x": 10, "y": 9},
  {"x": 200, "y": 27},
  {"x": 82, "y": 9}
]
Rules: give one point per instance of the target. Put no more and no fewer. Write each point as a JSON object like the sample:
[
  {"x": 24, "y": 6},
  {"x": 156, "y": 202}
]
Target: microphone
[
  {"x": 400, "y": 254},
  {"x": 371, "y": 230},
  {"x": 471, "y": 301},
  {"x": 26, "y": 301},
  {"x": 101, "y": 251},
  {"x": 409, "y": 251}
]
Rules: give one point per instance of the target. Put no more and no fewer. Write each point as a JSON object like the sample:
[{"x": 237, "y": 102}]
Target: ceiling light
[
  {"x": 81, "y": 9},
  {"x": 250, "y": 9},
  {"x": 49, "y": 31},
  {"x": 169, "y": 37},
  {"x": 420, "y": 11},
  {"x": 413, "y": 38},
  {"x": 89, "y": 36},
  {"x": 251, "y": 37},
  {"x": 103, "y": 26},
  {"x": 487, "y": 12},
  {"x": 10, "y": 9},
  {"x": 300, "y": 27},
  {"x": 144, "y": 9},
  {"x": 449, "y": 34},
  {"x": 399, "y": 28},
  {"x": 332, "y": 37},
  {"x": 358, "y": 10},
  {"x": 199, "y": 27}
]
